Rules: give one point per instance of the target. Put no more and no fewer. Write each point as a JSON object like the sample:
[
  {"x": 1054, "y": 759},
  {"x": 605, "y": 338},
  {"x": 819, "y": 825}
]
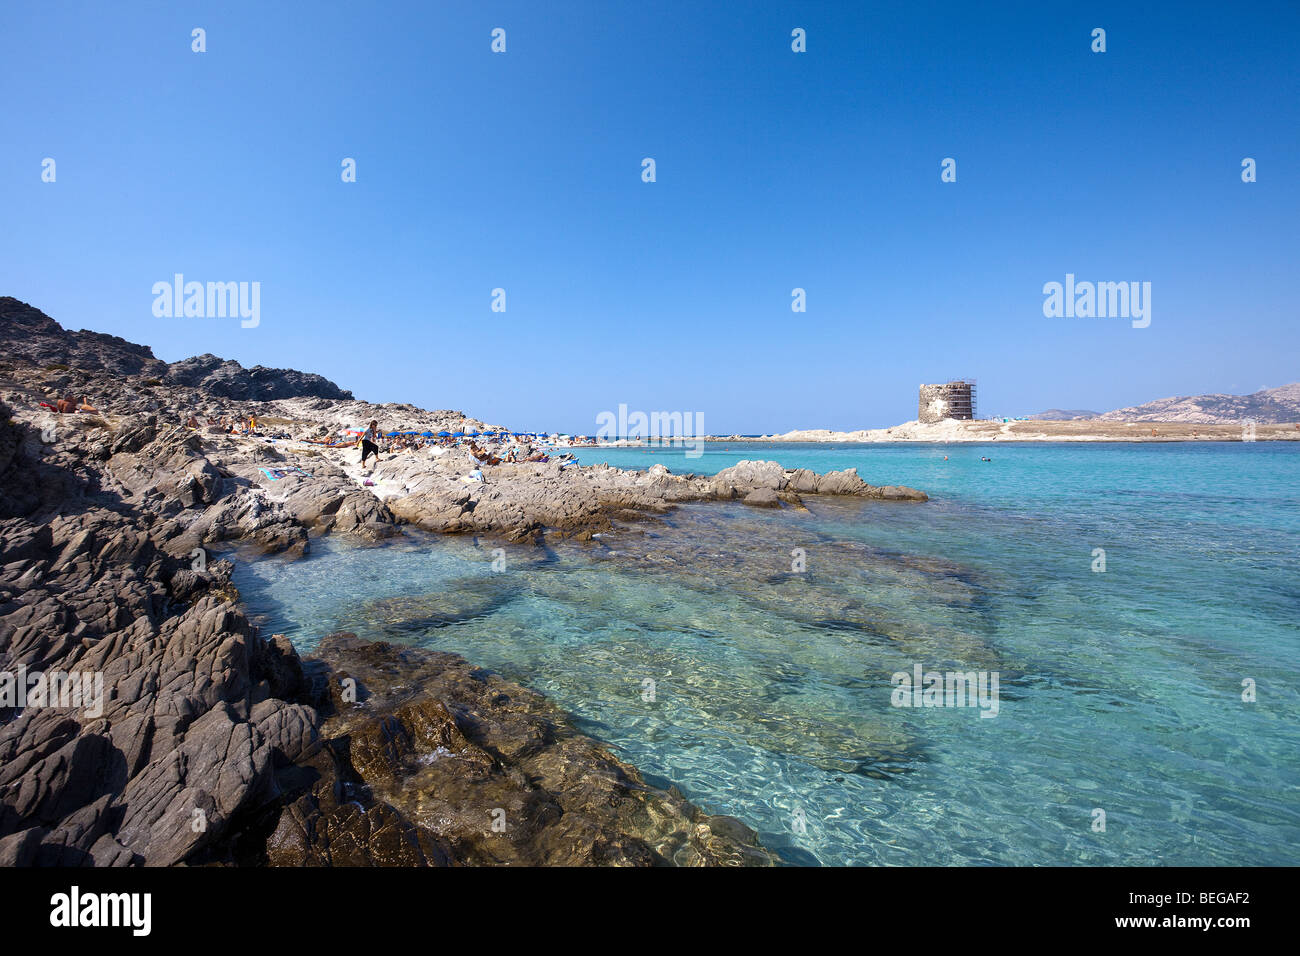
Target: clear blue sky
[{"x": 775, "y": 170}]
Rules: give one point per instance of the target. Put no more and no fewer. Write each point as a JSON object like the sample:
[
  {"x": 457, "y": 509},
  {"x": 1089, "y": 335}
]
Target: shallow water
[{"x": 1119, "y": 691}]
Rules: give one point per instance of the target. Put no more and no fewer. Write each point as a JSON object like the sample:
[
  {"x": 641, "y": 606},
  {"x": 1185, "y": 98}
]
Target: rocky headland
[{"x": 211, "y": 743}]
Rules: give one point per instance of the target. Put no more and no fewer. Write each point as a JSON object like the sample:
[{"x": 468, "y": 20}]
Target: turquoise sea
[{"x": 699, "y": 652}]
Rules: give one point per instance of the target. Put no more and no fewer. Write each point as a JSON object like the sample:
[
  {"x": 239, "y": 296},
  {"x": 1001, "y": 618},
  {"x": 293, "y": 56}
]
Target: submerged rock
[
  {"x": 457, "y": 601},
  {"x": 464, "y": 766}
]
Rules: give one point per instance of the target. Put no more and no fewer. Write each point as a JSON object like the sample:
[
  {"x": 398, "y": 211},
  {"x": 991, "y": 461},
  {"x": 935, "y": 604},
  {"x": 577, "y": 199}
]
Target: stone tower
[{"x": 954, "y": 399}]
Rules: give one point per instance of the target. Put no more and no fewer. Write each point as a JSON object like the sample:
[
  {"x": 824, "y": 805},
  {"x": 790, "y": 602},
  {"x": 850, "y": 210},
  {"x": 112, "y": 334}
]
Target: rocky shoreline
[{"x": 210, "y": 744}]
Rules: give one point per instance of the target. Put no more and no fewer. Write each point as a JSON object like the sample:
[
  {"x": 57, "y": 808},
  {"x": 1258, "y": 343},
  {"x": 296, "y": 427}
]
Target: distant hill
[
  {"x": 28, "y": 333},
  {"x": 1267, "y": 406},
  {"x": 1064, "y": 415}
]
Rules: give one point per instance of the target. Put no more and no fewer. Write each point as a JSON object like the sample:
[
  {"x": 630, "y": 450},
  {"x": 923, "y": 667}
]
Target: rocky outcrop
[
  {"x": 769, "y": 476},
  {"x": 762, "y": 498},
  {"x": 32, "y": 335},
  {"x": 165, "y": 742},
  {"x": 226, "y": 378},
  {"x": 523, "y": 500},
  {"x": 753, "y": 474}
]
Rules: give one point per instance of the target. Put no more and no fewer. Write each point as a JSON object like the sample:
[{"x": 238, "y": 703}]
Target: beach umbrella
[
  {"x": 426, "y": 434},
  {"x": 457, "y": 434},
  {"x": 444, "y": 434},
  {"x": 391, "y": 435}
]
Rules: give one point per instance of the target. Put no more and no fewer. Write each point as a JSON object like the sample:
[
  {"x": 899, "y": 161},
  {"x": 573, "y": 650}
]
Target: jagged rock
[
  {"x": 802, "y": 480},
  {"x": 228, "y": 379},
  {"x": 844, "y": 482},
  {"x": 277, "y": 662},
  {"x": 753, "y": 474},
  {"x": 174, "y": 727}
]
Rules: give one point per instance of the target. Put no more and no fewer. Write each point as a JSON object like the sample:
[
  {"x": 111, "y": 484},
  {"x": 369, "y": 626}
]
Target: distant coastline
[{"x": 998, "y": 430}]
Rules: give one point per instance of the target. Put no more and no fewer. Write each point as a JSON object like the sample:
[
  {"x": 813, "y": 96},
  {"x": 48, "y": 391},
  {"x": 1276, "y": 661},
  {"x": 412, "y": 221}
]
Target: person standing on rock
[{"x": 370, "y": 443}]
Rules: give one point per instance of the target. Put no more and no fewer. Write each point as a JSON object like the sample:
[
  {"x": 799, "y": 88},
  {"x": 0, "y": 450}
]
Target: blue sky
[{"x": 775, "y": 170}]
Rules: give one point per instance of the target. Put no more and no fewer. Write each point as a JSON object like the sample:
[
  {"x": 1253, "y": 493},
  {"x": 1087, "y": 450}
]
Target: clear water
[{"x": 1120, "y": 691}]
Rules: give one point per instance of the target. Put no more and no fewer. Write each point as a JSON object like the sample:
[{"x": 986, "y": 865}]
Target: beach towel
[{"x": 275, "y": 474}]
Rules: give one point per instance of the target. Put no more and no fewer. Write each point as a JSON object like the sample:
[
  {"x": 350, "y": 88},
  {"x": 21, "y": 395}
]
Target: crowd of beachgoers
[
  {"x": 488, "y": 448},
  {"x": 505, "y": 445},
  {"x": 484, "y": 448},
  {"x": 491, "y": 447}
]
